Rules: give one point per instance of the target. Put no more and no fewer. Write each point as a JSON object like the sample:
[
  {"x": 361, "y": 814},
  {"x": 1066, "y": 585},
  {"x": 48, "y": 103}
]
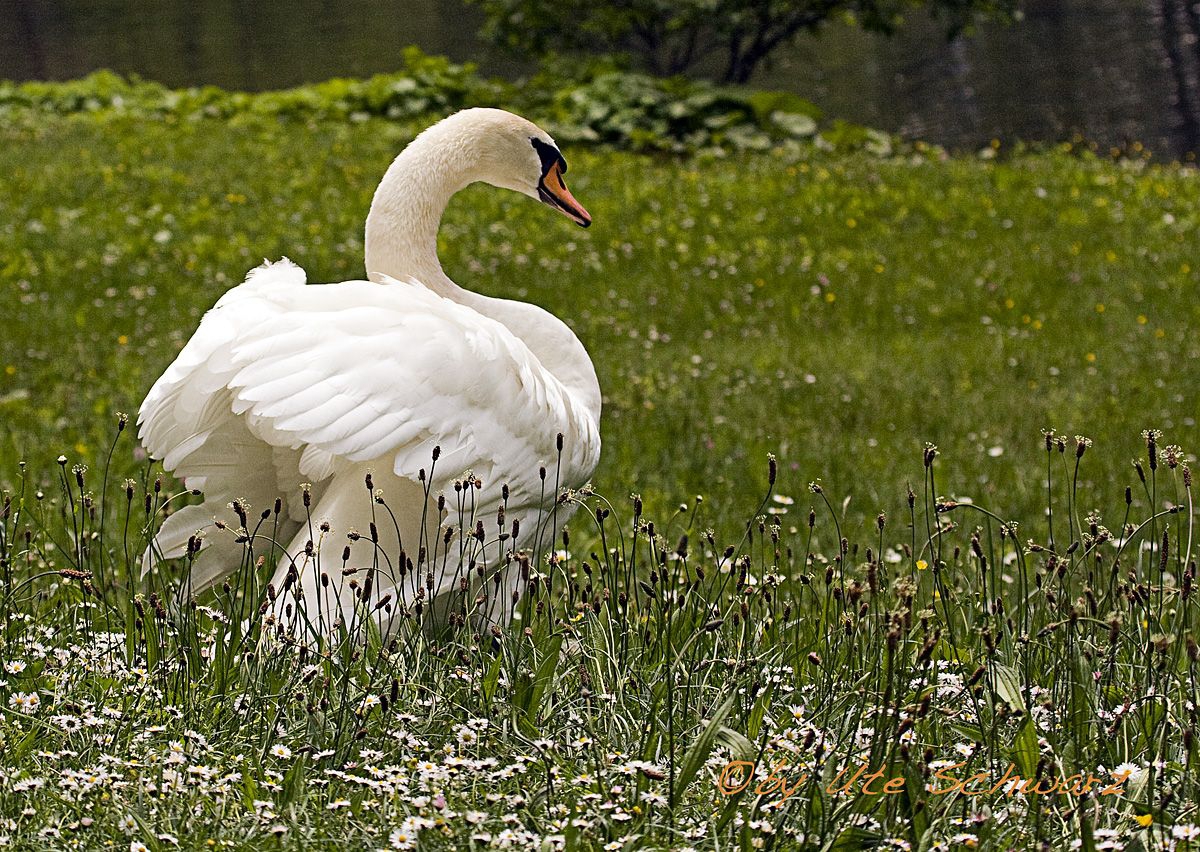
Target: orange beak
[{"x": 554, "y": 192}]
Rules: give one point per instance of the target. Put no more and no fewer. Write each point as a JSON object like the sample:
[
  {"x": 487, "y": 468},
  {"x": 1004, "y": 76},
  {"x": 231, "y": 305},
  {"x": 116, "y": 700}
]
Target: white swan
[{"x": 285, "y": 383}]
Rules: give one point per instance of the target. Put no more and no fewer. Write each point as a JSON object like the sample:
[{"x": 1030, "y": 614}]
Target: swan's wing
[
  {"x": 187, "y": 421},
  {"x": 280, "y": 374},
  {"x": 359, "y": 371}
]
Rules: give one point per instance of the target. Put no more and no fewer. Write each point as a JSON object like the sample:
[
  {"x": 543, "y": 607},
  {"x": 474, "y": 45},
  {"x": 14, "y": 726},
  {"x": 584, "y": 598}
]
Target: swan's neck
[
  {"x": 402, "y": 227},
  {"x": 401, "y": 243}
]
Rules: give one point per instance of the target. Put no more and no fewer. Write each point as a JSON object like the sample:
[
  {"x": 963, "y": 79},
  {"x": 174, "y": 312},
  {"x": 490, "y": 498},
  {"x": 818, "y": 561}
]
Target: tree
[
  {"x": 674, "y": 36},
  {"x": 1176, "y": 36}
]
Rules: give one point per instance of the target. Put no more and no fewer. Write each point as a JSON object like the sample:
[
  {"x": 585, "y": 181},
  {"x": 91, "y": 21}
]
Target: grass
[{"x": 838, "y": 310}]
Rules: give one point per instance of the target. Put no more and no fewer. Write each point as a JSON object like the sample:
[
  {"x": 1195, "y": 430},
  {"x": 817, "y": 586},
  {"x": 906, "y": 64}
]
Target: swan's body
[{"x": 286, "y": 383}]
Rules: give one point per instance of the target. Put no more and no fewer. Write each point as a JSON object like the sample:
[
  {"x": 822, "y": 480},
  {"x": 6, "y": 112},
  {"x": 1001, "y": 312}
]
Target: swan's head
[{"x": 513, "y": 153}]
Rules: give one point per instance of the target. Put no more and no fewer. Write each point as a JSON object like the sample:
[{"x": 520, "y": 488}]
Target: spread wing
[{"x": 284, "y": 383}]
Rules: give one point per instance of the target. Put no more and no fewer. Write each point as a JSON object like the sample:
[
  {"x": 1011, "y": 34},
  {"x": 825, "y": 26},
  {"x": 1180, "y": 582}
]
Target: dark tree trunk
[
  {"x": 651, "y": 48},
  {"x": 1191, "y": 10},
  {"x": 681, "y": 60},
  {"x": 189, "y": 21},
  {"x": 734, "y": 62},
  {"x": 742, "y": 70},
  {"x": 1189, "y": 128},
  {"x": 27, "y": 26},
  {"x": 249, "y": 31}
]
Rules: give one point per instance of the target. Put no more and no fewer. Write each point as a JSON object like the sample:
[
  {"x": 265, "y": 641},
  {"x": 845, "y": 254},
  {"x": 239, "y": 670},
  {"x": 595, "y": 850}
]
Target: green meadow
[{"x": 837, "y": 308}]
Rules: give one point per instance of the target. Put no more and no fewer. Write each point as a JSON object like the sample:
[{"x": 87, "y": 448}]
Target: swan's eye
[{"x": 549, "y": 155}]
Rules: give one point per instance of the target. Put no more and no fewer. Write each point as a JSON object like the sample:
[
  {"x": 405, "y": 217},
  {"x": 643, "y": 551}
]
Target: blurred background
[{"x": 1112, "y": 71}]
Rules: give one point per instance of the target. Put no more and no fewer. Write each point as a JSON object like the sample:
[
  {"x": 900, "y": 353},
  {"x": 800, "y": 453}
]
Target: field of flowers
[{"x": 781, "y": 620}]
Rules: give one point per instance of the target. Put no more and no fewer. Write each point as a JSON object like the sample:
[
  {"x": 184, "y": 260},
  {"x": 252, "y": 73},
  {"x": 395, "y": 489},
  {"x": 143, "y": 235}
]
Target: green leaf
[
  {"x": 1008, "y": 687},
  {"x": 740, "y": 747},
  {"x": 794, "y": 124},
  {"x": 542, "y": 678},
  {"x": 853, "y": 839},
  {"x": 1025, "y": 749},
  {"x": 698, "y": 753}
]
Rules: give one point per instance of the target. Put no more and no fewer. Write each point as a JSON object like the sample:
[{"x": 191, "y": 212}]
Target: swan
[{"x": 410, "y": 429}]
